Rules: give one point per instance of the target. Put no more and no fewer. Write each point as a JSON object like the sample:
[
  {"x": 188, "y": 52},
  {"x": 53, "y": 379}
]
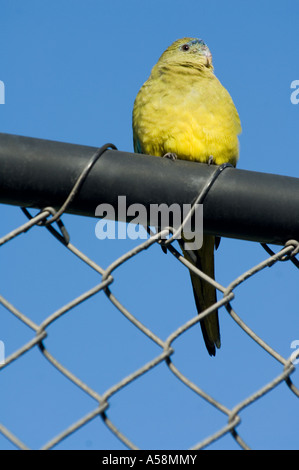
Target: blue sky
[{"x": 71, "y": 70}]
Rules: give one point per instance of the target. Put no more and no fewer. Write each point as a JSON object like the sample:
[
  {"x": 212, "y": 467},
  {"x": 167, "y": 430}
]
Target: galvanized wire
[{"x": 167, "y": 348}]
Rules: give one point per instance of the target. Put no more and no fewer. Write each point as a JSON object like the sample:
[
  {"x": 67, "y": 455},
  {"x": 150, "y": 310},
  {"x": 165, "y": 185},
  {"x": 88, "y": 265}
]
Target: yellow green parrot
[{"x": 183, "y": 110}]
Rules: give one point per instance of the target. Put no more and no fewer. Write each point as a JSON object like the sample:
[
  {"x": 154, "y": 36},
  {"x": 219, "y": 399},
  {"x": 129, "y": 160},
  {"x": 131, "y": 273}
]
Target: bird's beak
[{"x": 208, "y": 57}]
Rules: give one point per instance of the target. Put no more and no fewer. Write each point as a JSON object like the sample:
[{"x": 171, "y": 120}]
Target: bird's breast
[{"x": 187, "y": 118}]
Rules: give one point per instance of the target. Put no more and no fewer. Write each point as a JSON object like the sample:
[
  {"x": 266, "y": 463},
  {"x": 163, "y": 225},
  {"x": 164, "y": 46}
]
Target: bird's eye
[{"x": 185, "y": 47}]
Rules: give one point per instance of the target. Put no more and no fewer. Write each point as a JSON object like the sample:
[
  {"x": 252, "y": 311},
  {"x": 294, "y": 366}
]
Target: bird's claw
[
  {"x": 211, "y": 160},
  {"x": 172, "y": 156}
]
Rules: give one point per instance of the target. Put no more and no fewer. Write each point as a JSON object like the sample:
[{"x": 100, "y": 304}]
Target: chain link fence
[{"x": 103, "y": 400}]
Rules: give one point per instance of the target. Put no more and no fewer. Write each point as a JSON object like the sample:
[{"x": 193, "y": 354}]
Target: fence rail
[{"x": 243, "y": 204}]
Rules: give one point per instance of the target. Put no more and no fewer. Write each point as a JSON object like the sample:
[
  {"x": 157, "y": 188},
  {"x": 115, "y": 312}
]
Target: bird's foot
[
  {"x": 171, "y": 156},
  {"x": 211, "y": 160}
]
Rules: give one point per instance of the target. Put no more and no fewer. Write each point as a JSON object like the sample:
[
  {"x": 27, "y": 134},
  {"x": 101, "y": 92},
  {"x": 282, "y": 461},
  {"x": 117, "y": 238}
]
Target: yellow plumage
[{"x": 184, "y": 109}]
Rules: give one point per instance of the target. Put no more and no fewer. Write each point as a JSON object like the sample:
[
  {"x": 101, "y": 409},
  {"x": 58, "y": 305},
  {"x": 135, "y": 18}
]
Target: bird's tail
[{"x": 204, "y": 292}]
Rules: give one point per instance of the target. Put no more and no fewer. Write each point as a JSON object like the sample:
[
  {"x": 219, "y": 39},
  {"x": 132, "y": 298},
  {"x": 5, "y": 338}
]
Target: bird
[{"x": 183, "y": 111}]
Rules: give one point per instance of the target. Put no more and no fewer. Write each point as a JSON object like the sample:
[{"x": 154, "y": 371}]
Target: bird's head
[{"x": 190, "y": 52}]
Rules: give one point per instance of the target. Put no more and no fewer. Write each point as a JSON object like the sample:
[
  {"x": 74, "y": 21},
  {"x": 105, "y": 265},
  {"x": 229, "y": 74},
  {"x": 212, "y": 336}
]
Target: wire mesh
[{"x": 39, "y": 332}]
